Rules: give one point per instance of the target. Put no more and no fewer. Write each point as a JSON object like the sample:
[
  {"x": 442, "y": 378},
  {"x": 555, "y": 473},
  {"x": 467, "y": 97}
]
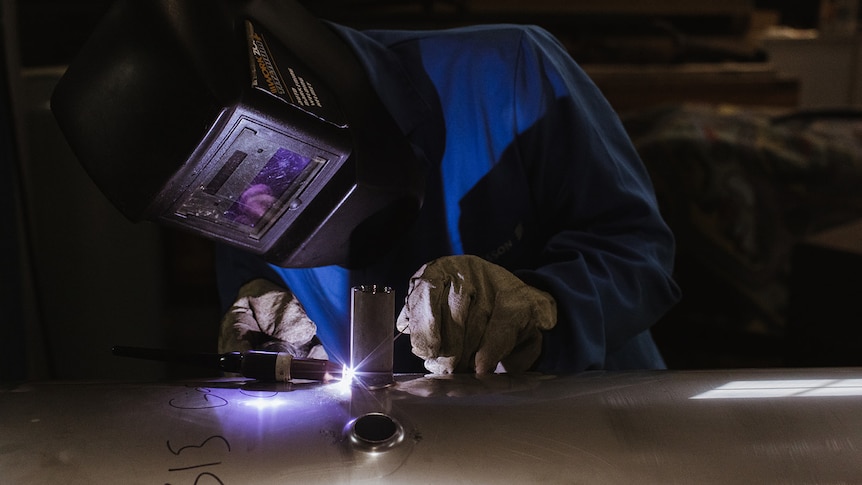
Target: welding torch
[{"x": 256, "y": 364}]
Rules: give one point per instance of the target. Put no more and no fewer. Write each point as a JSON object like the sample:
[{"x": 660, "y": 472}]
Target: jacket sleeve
[{"x": 608, "y": 255}]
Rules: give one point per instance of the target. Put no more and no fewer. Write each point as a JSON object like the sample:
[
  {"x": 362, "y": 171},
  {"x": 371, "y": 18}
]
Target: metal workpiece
[
  {"x": 372, "y": 334},
  {"x": 653, "y": 428}
]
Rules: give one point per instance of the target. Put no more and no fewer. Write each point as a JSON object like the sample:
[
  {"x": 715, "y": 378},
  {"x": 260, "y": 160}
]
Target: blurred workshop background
[{"x": 746, "y": 112}]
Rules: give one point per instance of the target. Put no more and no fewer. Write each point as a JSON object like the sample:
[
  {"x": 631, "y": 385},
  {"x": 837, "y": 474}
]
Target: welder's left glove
[
  {"x": 465, "y": 314},
  {"x": 266, "y": 316}
]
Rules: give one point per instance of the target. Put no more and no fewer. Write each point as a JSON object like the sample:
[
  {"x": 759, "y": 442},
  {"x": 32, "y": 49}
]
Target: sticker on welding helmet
[
  {"x": 264, "y": 73},
  {"x": 290, "y": 84}
]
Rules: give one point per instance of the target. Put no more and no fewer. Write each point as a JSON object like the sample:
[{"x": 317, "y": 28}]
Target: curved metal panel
[{"x": 757, "y": 426}]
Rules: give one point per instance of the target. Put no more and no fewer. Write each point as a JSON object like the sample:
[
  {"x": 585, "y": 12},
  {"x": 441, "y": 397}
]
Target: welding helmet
[{"x": 247, "y": 122}]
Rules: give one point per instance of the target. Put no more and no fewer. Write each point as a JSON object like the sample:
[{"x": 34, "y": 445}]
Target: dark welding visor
[{"x": 247, "y": 122}]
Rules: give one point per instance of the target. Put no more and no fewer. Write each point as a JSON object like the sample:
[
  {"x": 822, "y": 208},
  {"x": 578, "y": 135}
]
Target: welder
[{"x": 476, "y": 170}]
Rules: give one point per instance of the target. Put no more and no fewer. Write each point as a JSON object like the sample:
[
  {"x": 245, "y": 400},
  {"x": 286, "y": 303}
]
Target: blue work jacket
[{"x": 529, "y": 168}]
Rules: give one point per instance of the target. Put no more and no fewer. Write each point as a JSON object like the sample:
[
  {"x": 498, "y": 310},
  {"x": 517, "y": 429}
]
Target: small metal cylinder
[{"x": 372, "y": 331}]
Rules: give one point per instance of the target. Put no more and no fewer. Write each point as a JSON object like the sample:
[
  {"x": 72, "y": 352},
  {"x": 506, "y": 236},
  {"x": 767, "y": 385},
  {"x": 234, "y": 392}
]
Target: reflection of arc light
[
  {"x": 263, "y": 403},
  {"x": 784, "y": 388}
]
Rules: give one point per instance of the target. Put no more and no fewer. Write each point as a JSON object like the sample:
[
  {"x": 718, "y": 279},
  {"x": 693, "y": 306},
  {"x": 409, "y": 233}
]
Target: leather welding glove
[
  {"x": 465, "y": 314},
  {"x": 266, "y": 316}
]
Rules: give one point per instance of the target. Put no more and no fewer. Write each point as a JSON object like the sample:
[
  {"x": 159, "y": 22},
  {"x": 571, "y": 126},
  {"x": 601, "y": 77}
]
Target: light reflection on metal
[
  {"x": 772, "y": 389},
  {"x": 262, "y": 404}
]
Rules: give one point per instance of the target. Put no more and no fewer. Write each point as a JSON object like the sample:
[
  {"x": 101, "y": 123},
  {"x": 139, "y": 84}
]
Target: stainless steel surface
[
  {"x": 372, "y": 328},
  {"x": 661, "y": 427}
]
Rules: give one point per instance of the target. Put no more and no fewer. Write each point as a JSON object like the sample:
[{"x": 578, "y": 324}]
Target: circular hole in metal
[{"x": 375, "y": 428}]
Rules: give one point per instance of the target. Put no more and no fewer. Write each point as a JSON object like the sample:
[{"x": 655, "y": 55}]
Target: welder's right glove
[
  {"x": 266, "y": 316},
  {"x": 465, "y": 314}
]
